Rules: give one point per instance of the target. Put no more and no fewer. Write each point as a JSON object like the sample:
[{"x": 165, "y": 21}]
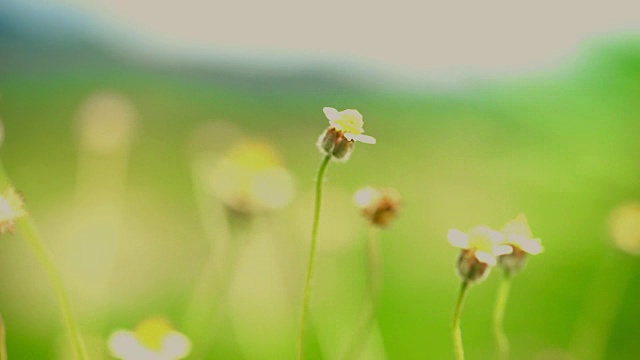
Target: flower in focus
[
  {"x": 250, "y": 179},
  {"x": 624, "y": 226},
  {"x": 378, "y": 205},
  {"x": 518, "y": 236},
  {"x": 345, "y": 128},
  {"x": 152, "y": 339},
  {"x": 480, "y": 248},
  {"x": 11, "y": 208}
]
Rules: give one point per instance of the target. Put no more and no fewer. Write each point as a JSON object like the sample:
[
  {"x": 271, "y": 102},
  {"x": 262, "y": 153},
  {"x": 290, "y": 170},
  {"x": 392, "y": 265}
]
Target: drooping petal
[
  {"x": 532, "y": 246},
  {"x": 458, "y": 238},
  {"x": 360, "y": 137},
  {"x": 500, "y": 250},
  {"x": 486, "y": 258}
]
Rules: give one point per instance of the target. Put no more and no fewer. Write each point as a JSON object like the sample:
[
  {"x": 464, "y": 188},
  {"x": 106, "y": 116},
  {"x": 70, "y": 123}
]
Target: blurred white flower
[{"x": 152, "y": 339}]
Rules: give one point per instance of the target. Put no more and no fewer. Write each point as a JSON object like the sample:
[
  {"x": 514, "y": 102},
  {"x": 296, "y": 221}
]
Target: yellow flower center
[
  {"x": 350, "y": 121},
  {"x": 151, "y": 333}
]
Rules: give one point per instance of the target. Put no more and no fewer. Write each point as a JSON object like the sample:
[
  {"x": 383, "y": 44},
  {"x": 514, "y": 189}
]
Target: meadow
[{"x": 132, "y": 229}]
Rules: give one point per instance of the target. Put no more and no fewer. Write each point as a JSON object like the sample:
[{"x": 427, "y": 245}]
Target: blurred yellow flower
[
  {"x": 152, "y": 339},
  {"x": 348, "y": 122},
  {"x": 250, "y": 179},
  {"x": 11, "y": 208},
  {"x": 378, "y": 205},
  {"x": 624, "y": 225}
]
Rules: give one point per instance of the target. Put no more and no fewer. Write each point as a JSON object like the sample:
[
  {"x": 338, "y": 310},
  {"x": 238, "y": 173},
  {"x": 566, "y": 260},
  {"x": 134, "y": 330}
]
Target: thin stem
[
  {"x": 498, "y": 318},
  {"x": 374, "y": 290},
  {"x": 457, "y": 332},
  {"x": 312, "y": 255},
  {"x": 3, "y": 341},
  {"x": 27, "y": 229}
]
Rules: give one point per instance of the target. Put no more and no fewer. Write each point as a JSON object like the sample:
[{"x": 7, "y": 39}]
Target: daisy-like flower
[
  {"x": 11, "y": 208},
  {"x": 480, "y": 248},
  {"x": 345, "y": 128},
  {"x": 152, "y": 339},
  {"x": 518, "y": 236},
  {"x": 250, "y": 179},
  {"x": 379, "y": 206}
]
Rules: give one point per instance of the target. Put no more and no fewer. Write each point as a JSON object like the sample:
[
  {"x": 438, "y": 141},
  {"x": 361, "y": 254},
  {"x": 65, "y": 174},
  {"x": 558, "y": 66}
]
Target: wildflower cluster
[{"x": 483, "y": 248}]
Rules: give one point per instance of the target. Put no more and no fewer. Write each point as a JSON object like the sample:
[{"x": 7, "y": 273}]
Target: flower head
[
  {"x": 518, "y": 236},
  {"x": 152, "y": 339},
  {"x": 379, "y": 206},
  {"x": 480, "y": 248},
  {"x": 250, "y": 179},
  {"x": 345, "y": 128},
  {"x": 624, "y": 224},
  {"x": 11, "y": 208}
]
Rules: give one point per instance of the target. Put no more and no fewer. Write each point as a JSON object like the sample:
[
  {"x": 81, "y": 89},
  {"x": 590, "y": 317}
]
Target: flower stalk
[
  {"x": 312, "y": 255},
  {"x": 27, "y": 228},
  {"x": 457, "y": 331},
  {"x": 502, "y": 340}
]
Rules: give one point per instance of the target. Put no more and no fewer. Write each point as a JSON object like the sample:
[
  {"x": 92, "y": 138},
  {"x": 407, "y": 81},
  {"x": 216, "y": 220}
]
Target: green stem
[
  {"x": 457, "y": 332},
  {"x": 3, "y": 341},
  {"x": 312, "y": 255},
  {"x": 374, "y": 282},
  {"x": 27, "y": 229},
  {"x": 498, "y": 318}
]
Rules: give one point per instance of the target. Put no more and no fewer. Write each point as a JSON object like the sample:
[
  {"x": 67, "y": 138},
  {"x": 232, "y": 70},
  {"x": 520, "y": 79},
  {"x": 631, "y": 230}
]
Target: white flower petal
[
  {"x": 331, "y": 113},
  {"x": 486, "y": 258},
  {"x": 532, "y": 246},
  {"x": 458, "y": 238},
  {"x": 499, "y": 250},
  {"x": 124, "y": 345},
  {"x": 176, "y": 346},
  {"x": 362, "y": 138}
]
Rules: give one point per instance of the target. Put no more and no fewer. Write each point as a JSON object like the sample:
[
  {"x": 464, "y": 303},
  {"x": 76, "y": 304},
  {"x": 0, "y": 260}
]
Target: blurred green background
[{"x": 561, "y": 146}]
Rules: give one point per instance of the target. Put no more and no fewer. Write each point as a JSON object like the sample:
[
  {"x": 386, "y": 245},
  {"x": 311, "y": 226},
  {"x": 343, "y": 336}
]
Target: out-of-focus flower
[
  {"x": 11, "y": 208},
  {"x": 517, "y": 234},
  {"x": 250, "y": 179},
  {"x": 378, "y": 205},
  {"x": 152, "y": 339},
  {"x": 624, "y": 226},
  {"x": 480, "y": 248},
  {"x": 106, "y": 122},
  {"x": 345, "y": 128}
]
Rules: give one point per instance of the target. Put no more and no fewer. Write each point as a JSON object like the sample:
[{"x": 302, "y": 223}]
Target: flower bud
[
  {"x": 471, "y": 269},
  {"x": 379, "y": 206}
]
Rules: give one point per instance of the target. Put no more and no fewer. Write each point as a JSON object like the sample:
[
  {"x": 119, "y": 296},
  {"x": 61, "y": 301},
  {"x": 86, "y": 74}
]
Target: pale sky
[{"x": 429, "y": 36}]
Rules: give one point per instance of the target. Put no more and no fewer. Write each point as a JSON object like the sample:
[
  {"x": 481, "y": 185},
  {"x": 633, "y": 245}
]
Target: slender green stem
[
  {"x": 3, "y": 341},
  {"x": 312, "y": 256},
  {"x": 374, "y": 290},
  {"x": 457, "y": 332},
  {"x": 498, "y": 318},
  {"x": 27, "y": 229}
]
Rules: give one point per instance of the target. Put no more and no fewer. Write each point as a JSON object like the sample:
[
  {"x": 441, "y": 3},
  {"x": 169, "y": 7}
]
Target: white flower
[{"x": 153, "y": 339}]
